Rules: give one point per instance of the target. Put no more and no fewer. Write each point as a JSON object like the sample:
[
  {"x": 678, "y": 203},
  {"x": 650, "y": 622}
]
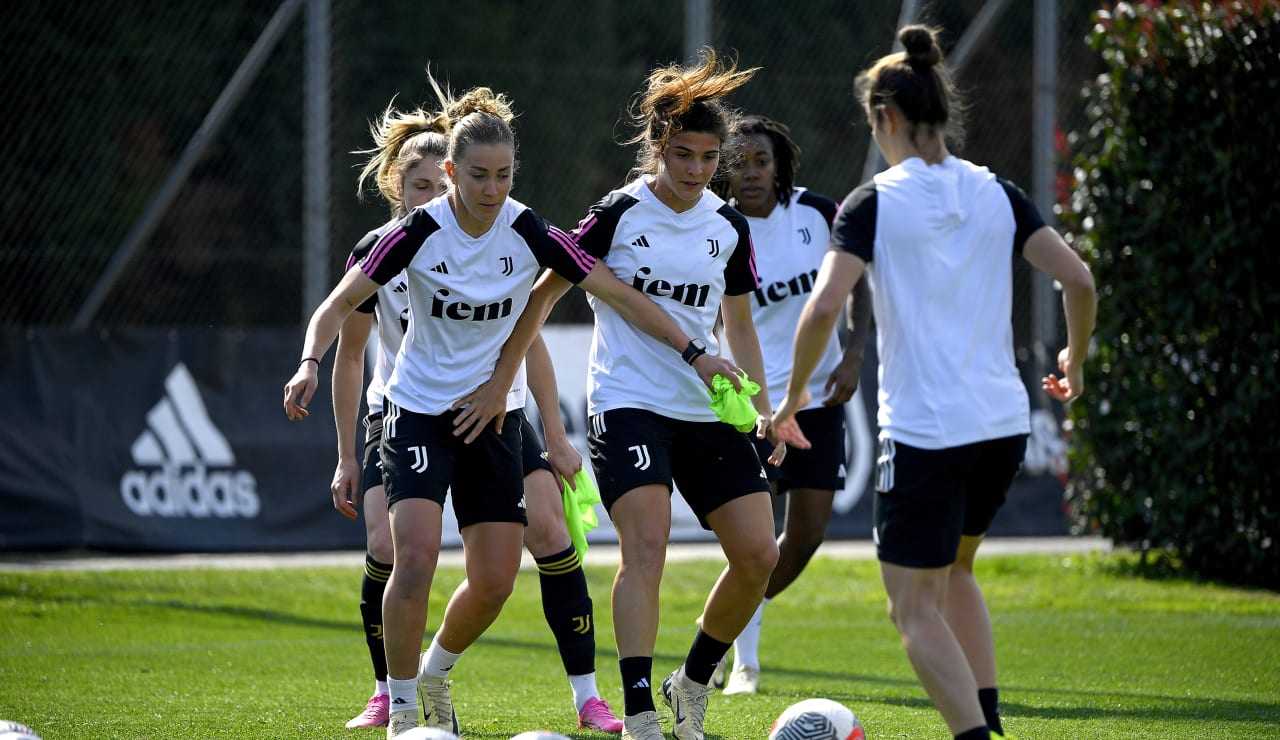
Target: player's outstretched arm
[{"x": 354, "y": 289}]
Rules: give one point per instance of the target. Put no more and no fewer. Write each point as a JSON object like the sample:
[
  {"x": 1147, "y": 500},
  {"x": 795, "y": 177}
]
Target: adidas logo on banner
[
  {"x": 641, "y": 242},
  {"x": 441, "y": 268},
  {"x": 185, "y": 464}
]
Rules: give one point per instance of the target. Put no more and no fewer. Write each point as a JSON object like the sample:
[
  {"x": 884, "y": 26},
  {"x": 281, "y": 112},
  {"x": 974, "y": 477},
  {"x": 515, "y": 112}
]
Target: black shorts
[
  {"x": 535, "y": 458},
  {"x": 371, "y": 475},
  {"x": 926, "y": 499},
  {"x": 421, "y": 458},
  {"x": 820, "y": 467},
  {"x": 710, "y": 461}
]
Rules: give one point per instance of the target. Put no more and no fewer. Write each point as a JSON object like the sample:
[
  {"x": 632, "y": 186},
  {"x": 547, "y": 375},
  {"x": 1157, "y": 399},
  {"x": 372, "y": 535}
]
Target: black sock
[
  {"x": 567, "y": 608},
  {"x": 372, "y": 587},
  {"x": 990, "y": 701},
  {"x": 637, "y": 691},
  {"x": 977, "y": 733},
  {"x": 703, "y": 656}
]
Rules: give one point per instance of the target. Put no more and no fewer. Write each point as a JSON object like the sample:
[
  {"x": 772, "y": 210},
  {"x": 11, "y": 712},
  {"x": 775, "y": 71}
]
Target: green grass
[{"x": 1085, "y": 651}]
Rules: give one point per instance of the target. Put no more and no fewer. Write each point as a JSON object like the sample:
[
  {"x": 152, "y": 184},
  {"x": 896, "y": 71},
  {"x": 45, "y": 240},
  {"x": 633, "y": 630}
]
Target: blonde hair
[
  {"x": 480, "y": 116},
  {"x": 916, "y": 83},
  {"x": 677, "y": 98},
  {"x": 401, "y": 141}
]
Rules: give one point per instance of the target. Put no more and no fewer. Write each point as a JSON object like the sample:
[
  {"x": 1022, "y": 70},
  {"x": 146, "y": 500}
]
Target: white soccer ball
[
  {"x": 426, "y": 733},
  {"x": 817, "y": 719},
  {"x": 540, "y": 735},
  {"x": 16, "y": 731}
]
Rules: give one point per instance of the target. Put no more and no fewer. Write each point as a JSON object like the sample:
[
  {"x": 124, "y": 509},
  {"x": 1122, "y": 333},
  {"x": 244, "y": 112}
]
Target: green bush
[{"x": 1175, "y": 207}]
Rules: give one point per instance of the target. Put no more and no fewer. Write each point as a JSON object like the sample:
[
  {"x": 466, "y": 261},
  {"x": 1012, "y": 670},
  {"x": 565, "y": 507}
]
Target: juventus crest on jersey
[{"x": 685, "y": 262}]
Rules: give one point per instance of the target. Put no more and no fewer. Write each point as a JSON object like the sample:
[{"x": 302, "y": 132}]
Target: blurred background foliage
[{"x": 1176, "y": 205}]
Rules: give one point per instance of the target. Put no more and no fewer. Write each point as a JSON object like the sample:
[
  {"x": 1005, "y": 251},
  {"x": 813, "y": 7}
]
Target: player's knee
[
  {"x": 757, "y": 563},
  {"x": 544, "y": 538},
  {"x": 416, "y": 562},
  {"x": 380, "y": 546},
  {"x": 491, "y": 589}
]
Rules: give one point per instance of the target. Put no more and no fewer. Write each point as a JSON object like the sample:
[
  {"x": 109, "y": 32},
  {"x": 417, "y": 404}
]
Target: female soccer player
[
  {"x": 790, "y": 229},
  {"x": 469, "y": 261},
  {"x": 936, "y": 234},
  {"x": 407, "y": 164},
  {"x": 668, "y": 237}
]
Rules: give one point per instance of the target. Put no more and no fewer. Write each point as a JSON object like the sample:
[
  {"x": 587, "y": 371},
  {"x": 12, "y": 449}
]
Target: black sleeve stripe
[
  {"x": 594, "y": 233},
  {"x": 1026, "y": 216},
  {"x": 854, "y": 230},
  {"x": 740, "y": 275},
  {"x": 552, "y": 247},
  {"x": 362, "y": 248},
  {"x": 396, "y": 249},
  {"x": 821, "y": 203}
]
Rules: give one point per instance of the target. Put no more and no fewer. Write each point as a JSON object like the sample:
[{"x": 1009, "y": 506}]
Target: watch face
[{"x": 698, "y": 343}]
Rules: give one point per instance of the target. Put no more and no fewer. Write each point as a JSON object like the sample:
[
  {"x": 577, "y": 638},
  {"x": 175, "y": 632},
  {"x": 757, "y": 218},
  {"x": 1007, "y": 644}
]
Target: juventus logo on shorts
[
  {"x": 714, "y": 251},
  {"x": 506, "y": 266},
  {"x": 419, "y": 459},
  {"x": 884, "y": 466},
  {"x": 582, "y": 625},
  {"x": 642, "y": 456}
]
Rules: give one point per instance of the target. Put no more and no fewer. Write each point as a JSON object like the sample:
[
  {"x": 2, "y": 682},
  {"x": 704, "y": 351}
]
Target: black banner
[
  {"x": 168, "y": 440},
  {"x": 162, "y": 440}
]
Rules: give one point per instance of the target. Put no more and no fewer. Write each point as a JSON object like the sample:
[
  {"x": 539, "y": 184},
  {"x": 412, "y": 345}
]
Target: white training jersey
[
  {"x": 390, "y": 306},
  {"x": 685, "y": 262},
  {"x": 790, "y": 243},
  {"x": 465, "y": 294},
  {"x": 939, "y": 242}
]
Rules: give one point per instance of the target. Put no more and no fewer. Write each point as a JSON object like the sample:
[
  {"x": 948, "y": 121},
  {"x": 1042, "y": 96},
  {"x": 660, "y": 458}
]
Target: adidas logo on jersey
[
  {"x": 185, "y": 464},
  {"x": 403, "y": 287},
  {"x": 641, "y": 242},
  {"x": 441, "y": 268}
]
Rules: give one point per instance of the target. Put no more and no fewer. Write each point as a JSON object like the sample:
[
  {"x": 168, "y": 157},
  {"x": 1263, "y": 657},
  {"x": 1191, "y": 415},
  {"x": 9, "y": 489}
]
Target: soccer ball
[
  {"x": 16, "y": 731},
  {"x": 817, "y": 719},
  {"x": 539, "y": 735},
  {"x": 422, "y": 733}
]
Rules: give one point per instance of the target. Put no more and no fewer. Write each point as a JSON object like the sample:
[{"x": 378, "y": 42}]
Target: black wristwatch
[{"x": 695, "y": 350}]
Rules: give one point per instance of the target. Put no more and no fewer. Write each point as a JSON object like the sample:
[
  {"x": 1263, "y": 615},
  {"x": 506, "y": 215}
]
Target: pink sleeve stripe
[
  {"x": 585, "y": 224},
  {"x": 351, "y": 260},
  {"x": 579, "y": 255},
  {"x": 751, "y": 244},
  {"x": 374, "y": 258}
]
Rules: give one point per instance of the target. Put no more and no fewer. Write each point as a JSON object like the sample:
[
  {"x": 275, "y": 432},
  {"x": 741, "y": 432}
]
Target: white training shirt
[
  {"x": 685, "y": 262},
  {"x": 465, "y": 294},
  {"x": 939, "y": 242},
  {"x": 790, "y": 243},
  {"x": 390, "y": 306}
]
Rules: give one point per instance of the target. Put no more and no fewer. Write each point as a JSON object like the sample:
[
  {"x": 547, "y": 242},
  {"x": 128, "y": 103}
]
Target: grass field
[{"x": 1085, "y": 651}]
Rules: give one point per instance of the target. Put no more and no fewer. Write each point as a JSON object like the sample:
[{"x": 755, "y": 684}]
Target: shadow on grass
[
  {"x": 1087, "y": 705},
  {"x": 271, "y": 616}
]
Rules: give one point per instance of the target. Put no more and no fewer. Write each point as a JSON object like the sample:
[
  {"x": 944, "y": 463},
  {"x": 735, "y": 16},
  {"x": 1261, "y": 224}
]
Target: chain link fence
[{"x": 105, "y": 98}]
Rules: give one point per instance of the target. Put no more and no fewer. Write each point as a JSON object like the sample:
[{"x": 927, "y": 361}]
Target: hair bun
[{"x": 921, "y": 46}]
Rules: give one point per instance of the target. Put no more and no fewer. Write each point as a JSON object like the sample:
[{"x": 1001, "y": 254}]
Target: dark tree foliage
[{"x": 1177, "y": 209}]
